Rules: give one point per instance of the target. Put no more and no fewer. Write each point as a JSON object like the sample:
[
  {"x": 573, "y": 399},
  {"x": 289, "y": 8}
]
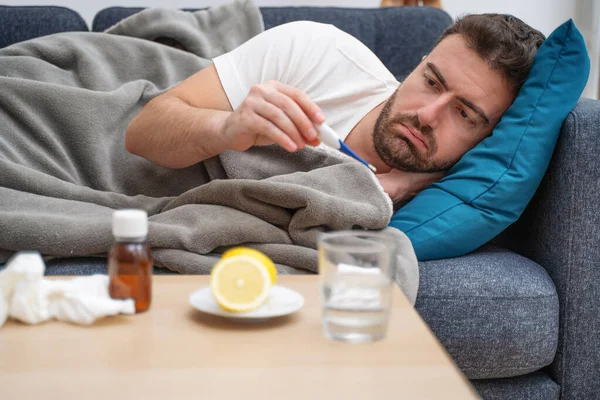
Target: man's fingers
[
  {"x": 286, "y": 111},
  {"x": 310, "y": 108},
  {"x": 314, "y": 143},
  {"x": 264, "y": 127},
  {"x": 303, "y": 124},
  {"x": 281, "y": 120}
]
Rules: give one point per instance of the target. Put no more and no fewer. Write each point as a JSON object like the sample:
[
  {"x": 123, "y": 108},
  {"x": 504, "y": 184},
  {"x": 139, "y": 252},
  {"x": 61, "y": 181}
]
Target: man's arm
[
  {"x": 194, "y": 121},
  {"x": 166, "y": 131}
]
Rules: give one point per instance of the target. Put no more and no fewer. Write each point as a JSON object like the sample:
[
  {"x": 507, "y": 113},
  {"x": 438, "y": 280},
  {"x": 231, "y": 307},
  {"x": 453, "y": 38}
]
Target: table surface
[{"x": 173, "y": 351}]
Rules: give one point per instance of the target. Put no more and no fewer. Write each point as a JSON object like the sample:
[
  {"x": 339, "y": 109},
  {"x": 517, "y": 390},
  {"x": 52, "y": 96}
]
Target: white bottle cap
[{"x": 130, "y": 224}]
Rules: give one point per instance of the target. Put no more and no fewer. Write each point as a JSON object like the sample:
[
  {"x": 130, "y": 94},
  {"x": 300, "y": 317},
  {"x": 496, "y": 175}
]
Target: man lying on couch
[
  {"x": 278, "y": 85},
  {"x": 74, "y": 103}
]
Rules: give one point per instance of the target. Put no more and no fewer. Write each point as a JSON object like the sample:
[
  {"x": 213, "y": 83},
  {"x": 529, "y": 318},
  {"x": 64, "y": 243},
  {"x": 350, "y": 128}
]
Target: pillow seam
[
  {"x": 458, "y": 224},
  {"x": 436, "y": 216},
  {"x": 449, "y": 229}
]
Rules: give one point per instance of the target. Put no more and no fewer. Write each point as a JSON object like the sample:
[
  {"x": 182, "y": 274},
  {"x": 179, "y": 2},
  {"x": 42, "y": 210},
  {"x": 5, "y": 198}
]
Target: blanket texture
[{"x": 65, "y": 103}]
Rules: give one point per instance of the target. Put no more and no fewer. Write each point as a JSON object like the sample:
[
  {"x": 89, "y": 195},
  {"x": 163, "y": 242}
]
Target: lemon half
[
  {"x": 261, "y": 257},
  {"x": 240, "y": 282}
]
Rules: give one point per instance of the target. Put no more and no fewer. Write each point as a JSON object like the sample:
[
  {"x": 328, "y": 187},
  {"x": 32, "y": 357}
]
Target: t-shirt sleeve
[{"x": 285, "y": 53}]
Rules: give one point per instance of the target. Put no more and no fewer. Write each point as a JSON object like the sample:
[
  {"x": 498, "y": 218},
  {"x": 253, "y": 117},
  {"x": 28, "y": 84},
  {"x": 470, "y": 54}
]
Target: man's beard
[{"x": 398, "y": 151}]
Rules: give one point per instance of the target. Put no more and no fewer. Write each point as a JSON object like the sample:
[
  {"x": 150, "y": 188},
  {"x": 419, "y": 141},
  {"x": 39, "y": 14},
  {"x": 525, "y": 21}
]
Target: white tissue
[
  {"x": 354, "y": 269},
  {"x": 27, "y": 296},
  {"x": 357, "y": 288}
]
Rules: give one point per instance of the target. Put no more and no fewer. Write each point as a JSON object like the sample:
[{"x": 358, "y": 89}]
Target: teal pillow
[{"x": 490, "y": 186}]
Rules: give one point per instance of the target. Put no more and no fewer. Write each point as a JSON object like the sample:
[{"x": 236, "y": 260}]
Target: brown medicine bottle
[{"x": 130, "y": 260}]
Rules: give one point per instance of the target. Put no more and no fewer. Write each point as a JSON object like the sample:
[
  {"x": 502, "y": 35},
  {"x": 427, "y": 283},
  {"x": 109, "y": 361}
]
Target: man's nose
[{"x": 431, "y": 113}]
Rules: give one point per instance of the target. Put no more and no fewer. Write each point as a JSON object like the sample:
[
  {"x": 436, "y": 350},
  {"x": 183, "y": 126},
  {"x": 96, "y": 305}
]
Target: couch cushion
[
  {"x": 495, "y": 312},
  {"x": 86, "y": 266},
  {"x": 81, "y": 266},
  {"x": 399, "y": 36},
  {"x": 536, "y": 386},
  {"x": 19, "y": 23},
  {"x": 560, "y": 230}
]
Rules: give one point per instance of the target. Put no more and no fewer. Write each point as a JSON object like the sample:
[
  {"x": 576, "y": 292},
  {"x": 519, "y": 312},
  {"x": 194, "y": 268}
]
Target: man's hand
[
  {"x": 273, "y": 113},
  {"x": 185, "y": 126},
  {"x": 403, "y": 186}
]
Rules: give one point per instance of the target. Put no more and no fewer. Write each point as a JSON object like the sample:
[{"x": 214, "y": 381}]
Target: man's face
[{"x": 447, "y": 105}]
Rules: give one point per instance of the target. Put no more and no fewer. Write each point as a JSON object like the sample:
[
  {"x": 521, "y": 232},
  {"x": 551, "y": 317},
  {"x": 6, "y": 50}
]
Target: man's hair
[{"x": 507, "y": 44}]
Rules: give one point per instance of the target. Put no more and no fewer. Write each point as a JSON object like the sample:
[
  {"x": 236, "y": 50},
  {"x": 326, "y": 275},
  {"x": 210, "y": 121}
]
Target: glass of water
[{"x": 357, "y": 270}]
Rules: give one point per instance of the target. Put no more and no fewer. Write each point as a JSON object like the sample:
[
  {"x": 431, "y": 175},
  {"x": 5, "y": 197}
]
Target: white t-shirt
[{"x": 338, "y": 72}]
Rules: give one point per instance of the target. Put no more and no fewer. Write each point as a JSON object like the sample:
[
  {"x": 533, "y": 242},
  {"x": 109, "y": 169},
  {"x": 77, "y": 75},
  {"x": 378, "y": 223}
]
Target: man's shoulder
[
  {"x": 306, "y": 31},
  {"x": 324, "y": 37},
  {"x": 306, "y": 26},
  {"x": 331, "y": 45}
]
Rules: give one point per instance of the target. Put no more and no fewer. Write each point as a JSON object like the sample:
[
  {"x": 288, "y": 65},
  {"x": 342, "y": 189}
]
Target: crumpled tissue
[
  {"x": 347, "y": 295},
  {"x": 27, "y": 296}
]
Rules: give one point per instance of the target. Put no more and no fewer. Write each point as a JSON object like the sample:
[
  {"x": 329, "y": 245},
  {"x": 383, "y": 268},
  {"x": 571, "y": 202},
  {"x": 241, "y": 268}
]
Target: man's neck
[{"x": 360, "y": 139}]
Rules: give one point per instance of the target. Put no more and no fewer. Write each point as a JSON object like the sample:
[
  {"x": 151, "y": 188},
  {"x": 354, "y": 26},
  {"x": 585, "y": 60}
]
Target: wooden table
[{"x": 175, "y": 352}]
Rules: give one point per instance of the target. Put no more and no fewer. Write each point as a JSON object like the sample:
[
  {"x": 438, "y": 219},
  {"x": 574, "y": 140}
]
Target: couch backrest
[
  {"x": 20, "y": 23},
  {"x": 400, "y": 36}
]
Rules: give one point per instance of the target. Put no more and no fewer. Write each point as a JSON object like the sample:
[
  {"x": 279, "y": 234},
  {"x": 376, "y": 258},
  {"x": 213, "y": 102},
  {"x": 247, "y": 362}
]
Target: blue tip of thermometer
[{"x": 331, "y": 139}]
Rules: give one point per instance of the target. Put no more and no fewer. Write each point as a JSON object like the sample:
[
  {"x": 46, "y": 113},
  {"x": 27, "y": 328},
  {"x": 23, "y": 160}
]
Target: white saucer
[{"x": 281, "y": 301}]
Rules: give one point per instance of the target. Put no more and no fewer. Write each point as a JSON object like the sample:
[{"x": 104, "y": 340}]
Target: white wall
[
  {"x": 88, "y": 9},
  {"x": 545, "y": 15}
]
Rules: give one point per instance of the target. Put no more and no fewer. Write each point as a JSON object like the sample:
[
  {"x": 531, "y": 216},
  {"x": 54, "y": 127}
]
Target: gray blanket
[{"x": 65, "y": 103}]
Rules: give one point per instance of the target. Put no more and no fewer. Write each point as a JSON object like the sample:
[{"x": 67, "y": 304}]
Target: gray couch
[{"x": 520, "y": 316}]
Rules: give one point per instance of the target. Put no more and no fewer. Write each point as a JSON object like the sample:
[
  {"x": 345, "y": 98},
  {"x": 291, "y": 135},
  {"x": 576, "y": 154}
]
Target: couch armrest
[{"x": 560, "y": 229}]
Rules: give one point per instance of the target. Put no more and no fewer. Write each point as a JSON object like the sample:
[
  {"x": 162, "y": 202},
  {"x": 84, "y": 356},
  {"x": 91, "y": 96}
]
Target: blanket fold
[
  {"x": 180, "y": 28},
  {"x": 64, "y": 108}
]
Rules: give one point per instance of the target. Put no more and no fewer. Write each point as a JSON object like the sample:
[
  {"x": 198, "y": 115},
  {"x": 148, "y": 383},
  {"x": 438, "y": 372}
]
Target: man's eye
[
  {"x": 431, "y": 82},
  {"x": 465, "y": 116}
]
